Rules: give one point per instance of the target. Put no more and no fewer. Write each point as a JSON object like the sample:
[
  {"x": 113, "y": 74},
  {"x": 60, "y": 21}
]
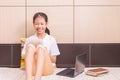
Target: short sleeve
[{"x": 54, "y": 50}]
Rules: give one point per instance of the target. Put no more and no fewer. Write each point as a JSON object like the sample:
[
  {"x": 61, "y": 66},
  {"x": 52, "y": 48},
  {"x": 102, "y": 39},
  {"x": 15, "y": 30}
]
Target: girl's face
[{"x": 40, "y": 25}]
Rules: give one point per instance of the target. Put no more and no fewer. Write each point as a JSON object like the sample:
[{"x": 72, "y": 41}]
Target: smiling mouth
[{"x": 38, "y": 29}]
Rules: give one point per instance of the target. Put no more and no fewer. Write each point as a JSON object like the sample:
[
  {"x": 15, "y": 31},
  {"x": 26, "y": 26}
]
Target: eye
[
  {"x": 36, "y": 24},
  {"x": 42, "y": 23}
]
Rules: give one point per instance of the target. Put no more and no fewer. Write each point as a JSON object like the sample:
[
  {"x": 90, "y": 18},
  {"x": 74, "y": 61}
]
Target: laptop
[{"x": 79, "y": 67}]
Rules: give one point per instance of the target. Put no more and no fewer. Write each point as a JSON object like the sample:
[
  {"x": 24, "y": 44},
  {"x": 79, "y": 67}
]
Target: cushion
[{"x": 22, "y": 60}]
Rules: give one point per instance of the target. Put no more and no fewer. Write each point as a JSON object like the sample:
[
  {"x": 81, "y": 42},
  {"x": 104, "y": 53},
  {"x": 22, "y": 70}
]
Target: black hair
[{"x": 44, "y": 16}]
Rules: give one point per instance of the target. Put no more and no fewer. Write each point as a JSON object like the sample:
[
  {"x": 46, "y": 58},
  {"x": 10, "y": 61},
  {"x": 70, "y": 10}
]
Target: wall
[{"x": 72, "y": 22}]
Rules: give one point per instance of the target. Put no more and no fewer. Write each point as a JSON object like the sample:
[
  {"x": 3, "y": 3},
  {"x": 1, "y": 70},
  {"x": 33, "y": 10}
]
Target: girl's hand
[
  {"x": 36, "y": 42},
  {"x": 53, "y": 58}
]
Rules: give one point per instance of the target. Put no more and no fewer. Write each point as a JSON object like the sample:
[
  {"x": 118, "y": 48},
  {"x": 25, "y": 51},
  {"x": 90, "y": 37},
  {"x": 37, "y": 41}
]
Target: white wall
[{"x": 71, "y": 21}]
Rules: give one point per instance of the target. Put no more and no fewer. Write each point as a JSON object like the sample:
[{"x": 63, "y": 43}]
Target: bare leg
[
  {"x": 29, "y": 57},
  {"x": 40, "y": 63},
  {"x": 43, "y": 65}
]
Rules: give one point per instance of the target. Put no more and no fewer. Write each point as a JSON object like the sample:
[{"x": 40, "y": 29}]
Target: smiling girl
[{"x": 40, "y": 49}]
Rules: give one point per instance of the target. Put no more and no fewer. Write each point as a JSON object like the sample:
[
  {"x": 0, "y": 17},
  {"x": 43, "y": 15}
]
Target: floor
[{"x": 18, "y": 74}]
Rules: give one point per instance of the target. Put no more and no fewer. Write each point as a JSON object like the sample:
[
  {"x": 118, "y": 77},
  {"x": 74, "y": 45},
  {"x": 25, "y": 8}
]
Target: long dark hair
[{"x": 45, "y": 17}]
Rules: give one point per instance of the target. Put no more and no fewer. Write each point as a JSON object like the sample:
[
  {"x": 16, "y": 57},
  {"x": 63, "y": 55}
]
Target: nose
[{"x": 39, "y": 26}]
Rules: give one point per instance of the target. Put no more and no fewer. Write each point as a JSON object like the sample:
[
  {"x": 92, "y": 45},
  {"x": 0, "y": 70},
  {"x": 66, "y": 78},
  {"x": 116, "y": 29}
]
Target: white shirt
[{"x": 48, "y": 41}]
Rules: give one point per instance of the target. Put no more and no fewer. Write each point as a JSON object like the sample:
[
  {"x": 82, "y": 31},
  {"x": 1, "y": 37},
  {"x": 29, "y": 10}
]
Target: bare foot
[{"x": 37, "y": 78}]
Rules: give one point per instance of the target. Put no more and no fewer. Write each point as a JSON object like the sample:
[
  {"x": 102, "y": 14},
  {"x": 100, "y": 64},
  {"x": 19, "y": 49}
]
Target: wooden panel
[
  {"x": 67, "y": 56},
  {"x": 49, "y": 2},
  {"x": 97, "y": 54},
  {"x": 16, "y": 55},
  {"x": 5, "y": 55},
  {"x": 105, "y": 55},
  {"x": 97, "y": 2},
  {"x": 60, "y": 22},
  {"x": 97, "y": 24},
  {"x": 12, "y": 24},
  {"x": 12, "y": 3}
]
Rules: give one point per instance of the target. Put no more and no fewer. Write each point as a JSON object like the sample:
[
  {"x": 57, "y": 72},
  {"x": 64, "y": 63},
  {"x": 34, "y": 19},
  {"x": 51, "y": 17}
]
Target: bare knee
[
  {"x": 40, "y": 48},
  {"x": 30, "y": 48},
  {"x": 40, "y": 51}
]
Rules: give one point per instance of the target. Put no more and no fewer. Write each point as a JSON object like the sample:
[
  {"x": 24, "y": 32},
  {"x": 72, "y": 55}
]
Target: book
[{"x": 96, "y": 72}]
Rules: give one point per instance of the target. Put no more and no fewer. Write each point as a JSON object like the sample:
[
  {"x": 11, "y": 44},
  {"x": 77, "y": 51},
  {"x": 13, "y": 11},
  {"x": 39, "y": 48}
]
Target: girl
[{"x": 40, "y": 49}]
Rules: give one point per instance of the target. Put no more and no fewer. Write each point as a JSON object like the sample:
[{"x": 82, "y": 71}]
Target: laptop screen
[
  {"x": 80, "y": 63},
  {"x": 79, "y": 66}
]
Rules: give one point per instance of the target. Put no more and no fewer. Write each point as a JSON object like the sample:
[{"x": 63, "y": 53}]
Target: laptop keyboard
[{"x": 67, "y": 72}]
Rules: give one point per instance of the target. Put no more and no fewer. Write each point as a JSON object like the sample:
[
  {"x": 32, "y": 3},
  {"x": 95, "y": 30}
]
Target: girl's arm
[{"x": 53, "y": 59}]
